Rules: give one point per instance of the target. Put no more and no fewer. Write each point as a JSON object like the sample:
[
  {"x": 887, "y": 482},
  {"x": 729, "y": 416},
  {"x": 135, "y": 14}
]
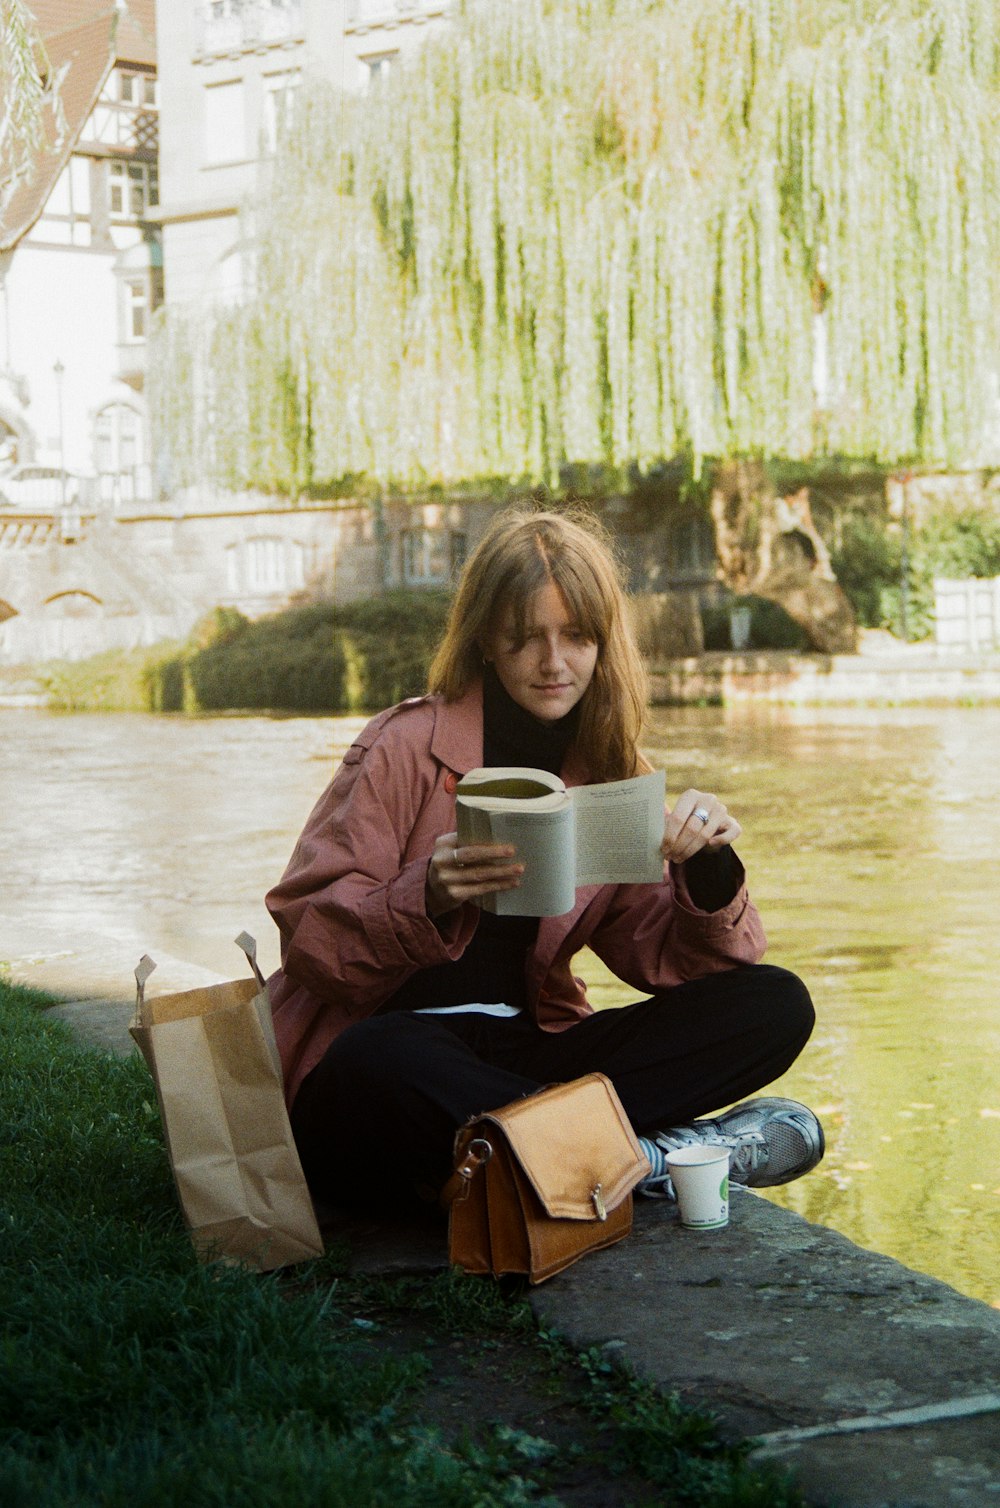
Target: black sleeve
[{"x": 712, "y": 878}]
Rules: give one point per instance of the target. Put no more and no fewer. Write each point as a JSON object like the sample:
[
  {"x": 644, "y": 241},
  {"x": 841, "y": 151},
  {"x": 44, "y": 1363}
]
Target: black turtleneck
[{"x": 512, "y": 736}]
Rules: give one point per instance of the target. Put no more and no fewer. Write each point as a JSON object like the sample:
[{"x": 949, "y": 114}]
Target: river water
[{"x": 872, "y": 838}]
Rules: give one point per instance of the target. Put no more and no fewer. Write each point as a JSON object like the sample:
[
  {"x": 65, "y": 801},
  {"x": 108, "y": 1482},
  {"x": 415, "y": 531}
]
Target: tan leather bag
[{"x": 544, "y": 1180}]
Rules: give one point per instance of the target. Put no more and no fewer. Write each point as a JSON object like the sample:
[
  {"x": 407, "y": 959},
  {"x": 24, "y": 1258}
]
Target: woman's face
[{"x": 549, "y": 671}]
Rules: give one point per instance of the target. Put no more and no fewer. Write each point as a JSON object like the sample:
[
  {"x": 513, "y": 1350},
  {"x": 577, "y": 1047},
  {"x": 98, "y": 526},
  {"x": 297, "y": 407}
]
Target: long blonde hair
[{"x": 522, "y": 551}]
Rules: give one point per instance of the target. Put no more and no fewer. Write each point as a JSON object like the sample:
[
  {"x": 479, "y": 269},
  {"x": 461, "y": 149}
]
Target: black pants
[{"x": 376, "y": 1118}]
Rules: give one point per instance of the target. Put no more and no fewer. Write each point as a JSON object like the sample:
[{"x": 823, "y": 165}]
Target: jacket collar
[{"x": 457, "y": 740}]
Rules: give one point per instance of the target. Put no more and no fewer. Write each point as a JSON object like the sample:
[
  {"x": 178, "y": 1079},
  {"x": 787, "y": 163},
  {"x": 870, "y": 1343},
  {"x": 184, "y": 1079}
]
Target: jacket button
[{"x": 451, "y": 783}]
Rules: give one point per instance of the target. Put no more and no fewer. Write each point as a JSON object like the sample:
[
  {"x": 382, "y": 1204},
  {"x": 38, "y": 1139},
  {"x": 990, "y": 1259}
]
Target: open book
[{"x": 585, "y": 835}]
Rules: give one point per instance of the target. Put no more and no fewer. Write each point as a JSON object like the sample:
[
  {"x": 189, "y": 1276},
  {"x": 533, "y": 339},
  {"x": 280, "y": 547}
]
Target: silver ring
[
  {"x": 701, "y": 814},
  {"x": 458, "y": 862}
]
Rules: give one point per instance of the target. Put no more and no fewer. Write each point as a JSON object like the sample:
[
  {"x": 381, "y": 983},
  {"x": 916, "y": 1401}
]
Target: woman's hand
[
  {"x": 457, "y": 874},
  {"x": 697, "y": 821}
]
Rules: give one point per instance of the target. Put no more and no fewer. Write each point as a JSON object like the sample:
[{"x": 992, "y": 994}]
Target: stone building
[
  {"x": 146, "y": 187},
  {"x": 229, "y": 71},
  {"x": 81, "y": 267}
]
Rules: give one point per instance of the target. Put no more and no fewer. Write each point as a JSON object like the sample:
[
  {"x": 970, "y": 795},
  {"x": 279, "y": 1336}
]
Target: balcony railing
[
  {"x": 228, "y": 25},
  {"x": 362, "y": 14}
]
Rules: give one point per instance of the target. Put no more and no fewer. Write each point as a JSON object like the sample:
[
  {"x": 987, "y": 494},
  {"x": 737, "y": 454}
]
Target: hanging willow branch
[
  {"x": 26, "y": 92},
  {"x": 611, "y": 231}
]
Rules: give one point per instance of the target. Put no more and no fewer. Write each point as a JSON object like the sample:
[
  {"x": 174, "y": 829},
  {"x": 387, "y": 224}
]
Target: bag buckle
[
  {"x": 477, "y": 1154},
  {"x": 599, "y": 1205}
]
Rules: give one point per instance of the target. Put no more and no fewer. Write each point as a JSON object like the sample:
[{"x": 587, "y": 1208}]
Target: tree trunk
[{"x": 770, "y": 546}]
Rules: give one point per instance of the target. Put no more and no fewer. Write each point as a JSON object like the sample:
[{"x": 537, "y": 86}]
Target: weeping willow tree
[{"x": 613, "y": 231}]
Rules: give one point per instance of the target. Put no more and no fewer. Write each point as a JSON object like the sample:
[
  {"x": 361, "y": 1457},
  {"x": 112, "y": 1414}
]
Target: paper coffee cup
[{"x": 700, "y": 1177}]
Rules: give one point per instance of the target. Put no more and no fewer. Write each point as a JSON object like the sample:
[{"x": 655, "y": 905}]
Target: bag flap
[{"x": 576, "y": 1147}]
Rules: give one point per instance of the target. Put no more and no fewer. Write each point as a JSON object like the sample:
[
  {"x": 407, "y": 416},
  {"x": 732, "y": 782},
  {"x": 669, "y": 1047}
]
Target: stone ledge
[{"x": 911, "y": 676}]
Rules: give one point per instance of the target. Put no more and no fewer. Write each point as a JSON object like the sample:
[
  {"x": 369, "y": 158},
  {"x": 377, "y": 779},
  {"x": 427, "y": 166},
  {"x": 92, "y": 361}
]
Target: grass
[{"x": 132, "y": 1375}]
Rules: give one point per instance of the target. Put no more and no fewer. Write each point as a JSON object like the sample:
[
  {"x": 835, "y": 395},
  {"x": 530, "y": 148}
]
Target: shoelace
[{"x": 748, "y": 1150}]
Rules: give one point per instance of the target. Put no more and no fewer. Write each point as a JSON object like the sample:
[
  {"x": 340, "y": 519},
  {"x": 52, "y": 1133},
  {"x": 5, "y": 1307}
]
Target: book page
[
  {"x": 619, "y": 830},
  {"x": 545, "y": 845}
]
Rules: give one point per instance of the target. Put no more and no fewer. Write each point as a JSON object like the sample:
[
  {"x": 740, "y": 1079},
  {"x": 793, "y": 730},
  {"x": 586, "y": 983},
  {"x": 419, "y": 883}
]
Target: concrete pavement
[{"x": 878, "y": 1386}]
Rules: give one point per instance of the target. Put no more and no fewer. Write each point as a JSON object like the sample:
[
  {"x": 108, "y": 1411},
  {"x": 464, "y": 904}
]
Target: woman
[{"x": 401, "y": 1009}]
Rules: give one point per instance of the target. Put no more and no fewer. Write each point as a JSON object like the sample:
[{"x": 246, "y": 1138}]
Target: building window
[
  {"x": 273, "y": 565},
  {"x": 136, "y": 88},
  {"x": 227, "y": 24},
  {"x": 119, "y": 454},
  {"x": 225, "y": 123},
  {"x": 136, "y": 292},
  {"x": 133, "y": 189},
  {"x": 431, "y": 557},
  {"x": 231, "y": 279},
  {"x": 691, "y": 550},
  {"x": 279, "y": 104},
  {"x": 375, "y": 68}
]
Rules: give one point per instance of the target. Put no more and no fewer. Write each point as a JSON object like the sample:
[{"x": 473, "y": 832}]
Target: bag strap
[{"x": 476, "y": 1155}]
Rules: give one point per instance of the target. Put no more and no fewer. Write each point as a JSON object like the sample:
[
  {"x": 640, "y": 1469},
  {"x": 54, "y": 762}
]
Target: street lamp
[
  {"x": 58, "y": 371},
  {"x": 69, "y": 519}
]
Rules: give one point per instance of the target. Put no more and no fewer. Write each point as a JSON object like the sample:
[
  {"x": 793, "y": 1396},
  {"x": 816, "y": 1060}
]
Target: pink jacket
[{"x": 350, "y": 906}]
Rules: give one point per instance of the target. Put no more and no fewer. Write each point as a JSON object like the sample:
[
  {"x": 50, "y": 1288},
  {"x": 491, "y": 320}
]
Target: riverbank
[
  {"x": 886, "y": 672},
  {"x": 134, "y": 1374},
  {"x": 878, "y": 1385}
]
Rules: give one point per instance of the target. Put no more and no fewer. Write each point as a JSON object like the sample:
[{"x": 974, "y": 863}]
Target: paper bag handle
[
  {"x": 146, "y": 965},
  {"x": 249, "y": 947},
  {"x": 144, "y": 968}
]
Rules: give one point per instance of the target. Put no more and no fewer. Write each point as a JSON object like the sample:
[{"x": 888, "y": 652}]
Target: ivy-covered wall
[{"x": 609, "y": 232}]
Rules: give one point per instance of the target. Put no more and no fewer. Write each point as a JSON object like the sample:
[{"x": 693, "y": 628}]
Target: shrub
[
  {"x": 955, "y": 543},
  {"x": 951, "y": 542},
  {"x": 867, "y": 563},
  {"x": 292, "y": 661},
  {"x": 322, "y": 658},
  {"x": 390, "y": 642},
  {"x": 130, "y": 680}
]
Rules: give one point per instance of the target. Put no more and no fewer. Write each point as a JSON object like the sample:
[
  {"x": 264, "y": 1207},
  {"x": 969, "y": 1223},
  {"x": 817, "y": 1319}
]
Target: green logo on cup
[{"x": 724, "y": 1187}]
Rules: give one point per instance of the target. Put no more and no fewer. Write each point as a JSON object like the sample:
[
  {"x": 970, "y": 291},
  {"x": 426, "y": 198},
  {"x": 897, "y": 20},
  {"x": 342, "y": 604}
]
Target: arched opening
[{"x": 73, "y": 604}]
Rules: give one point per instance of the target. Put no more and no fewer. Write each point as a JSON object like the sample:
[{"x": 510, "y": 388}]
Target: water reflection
[{"x": 872, "y": 838}]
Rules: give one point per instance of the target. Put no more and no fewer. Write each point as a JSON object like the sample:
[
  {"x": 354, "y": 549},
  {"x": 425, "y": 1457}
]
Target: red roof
[{"x": 86, "y": 38}]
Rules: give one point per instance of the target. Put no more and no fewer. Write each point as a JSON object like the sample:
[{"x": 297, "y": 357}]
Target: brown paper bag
[{"x": 218, "y": 1080}]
